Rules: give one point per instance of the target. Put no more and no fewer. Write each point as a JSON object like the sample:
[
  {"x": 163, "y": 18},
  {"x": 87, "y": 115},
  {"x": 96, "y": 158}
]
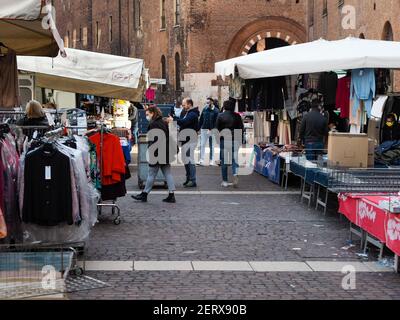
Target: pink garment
[{"x": 150, "y": 94}]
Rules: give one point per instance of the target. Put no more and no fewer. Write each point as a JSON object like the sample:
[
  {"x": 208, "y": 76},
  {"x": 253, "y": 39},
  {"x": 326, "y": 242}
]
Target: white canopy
[
  {"x": 312, "y": 57},
  {"x": 88, "y": 72},
  {"x": 28, "y": 27}
]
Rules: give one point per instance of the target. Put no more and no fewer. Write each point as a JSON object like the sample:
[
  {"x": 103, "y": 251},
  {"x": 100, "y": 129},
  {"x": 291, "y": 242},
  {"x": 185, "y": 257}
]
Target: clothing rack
[{"x": 114, "y": 207}]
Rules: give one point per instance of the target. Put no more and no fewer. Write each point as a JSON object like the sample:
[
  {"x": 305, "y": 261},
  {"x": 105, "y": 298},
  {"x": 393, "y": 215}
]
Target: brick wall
[{"x": 213, "y": 30}]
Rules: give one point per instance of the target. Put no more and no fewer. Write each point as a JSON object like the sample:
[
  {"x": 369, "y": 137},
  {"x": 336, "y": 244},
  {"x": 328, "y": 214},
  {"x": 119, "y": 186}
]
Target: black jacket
[
  {"x": 391, "y": 134},
  {"x": 160, "y": 124},
  {"x": 230, "y": 120},
  {"x": 314, "y": 127},
  {"x": 47, "y": 200}
]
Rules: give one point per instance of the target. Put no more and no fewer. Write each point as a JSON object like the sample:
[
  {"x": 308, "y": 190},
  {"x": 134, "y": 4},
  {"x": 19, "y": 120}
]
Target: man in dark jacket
[
  {"x": 189, "y": 123},
  {"x": 313, "y": 132},
  {"x": 391, "y": 129},
  {"x": 230, "y": 123},
  {"x": 160, "y": 157},
  {"x": 208, "y": 121}
]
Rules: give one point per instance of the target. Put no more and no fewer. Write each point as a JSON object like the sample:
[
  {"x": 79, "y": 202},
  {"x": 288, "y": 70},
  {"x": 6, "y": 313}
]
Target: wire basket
[{"x": 37, "y": 269}]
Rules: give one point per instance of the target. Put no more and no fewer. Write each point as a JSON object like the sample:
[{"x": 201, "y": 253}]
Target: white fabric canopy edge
[{"x": 312, "y": 57}]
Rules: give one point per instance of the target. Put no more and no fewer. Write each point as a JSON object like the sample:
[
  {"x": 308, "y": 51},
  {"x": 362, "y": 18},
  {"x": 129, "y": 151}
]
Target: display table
[
  {"x": 267, "y": 164},
  {"x": 373, "y": 214}
]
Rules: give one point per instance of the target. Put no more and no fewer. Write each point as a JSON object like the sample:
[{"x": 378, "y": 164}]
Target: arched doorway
[
  {"x": 284, "y": 29},
  {"x": 385, "y": 77}
]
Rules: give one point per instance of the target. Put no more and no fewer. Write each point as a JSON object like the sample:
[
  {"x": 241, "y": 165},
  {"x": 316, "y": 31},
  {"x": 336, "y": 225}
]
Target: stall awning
[
  {"x": 312, "y": 57},
  {"x": 27, "y": 27},
  {"x": 88, "y": 72}
]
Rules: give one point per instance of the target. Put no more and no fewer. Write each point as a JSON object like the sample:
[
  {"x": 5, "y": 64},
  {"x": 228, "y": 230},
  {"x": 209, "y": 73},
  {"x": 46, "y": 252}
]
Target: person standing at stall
[
  {"x": 229, "y": 153},
  {"x": 391, "y": 129},
  {"x": 313, "y": 131},
  {"x": 160, "y": 161},
  {"x": 208, "y": 121}
]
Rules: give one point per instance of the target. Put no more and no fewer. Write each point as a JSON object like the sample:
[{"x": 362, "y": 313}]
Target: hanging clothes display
[
  {"x": 290, "y": 102},
  {"x": 262, "y": 127},
  {"x": 275, "y": 93},
  {"x": 327, "y": 85},
  {"x": 9, "y": 165},
  {"x": 343, "y": 97},
  {"x": 8, "y": 80},
  {"x": 114, "y": 170},
  {"x": 47, "y": 187},
  {"x": 150, "y": 94},
  {"x": 3, "y": 226},
  {"x": 363, "y": 88},
  {"x": 235, "y": 88},
  {"x": 57, "y": 198}
]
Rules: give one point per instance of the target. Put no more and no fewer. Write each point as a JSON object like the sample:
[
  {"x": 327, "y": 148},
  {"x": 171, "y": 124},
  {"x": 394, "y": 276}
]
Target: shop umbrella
[
  {"x": 28, "y": 28},
  {"x": 89, "y": 72},
  {"x": 313, "y": 57}
]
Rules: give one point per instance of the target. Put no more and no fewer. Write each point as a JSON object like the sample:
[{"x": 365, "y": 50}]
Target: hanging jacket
[
  {"x": 343, "y": 97},
  {"x": 47, "y": 189},
  {"x": 113, "y": 158},
  {"x": 362, "y": 87}
]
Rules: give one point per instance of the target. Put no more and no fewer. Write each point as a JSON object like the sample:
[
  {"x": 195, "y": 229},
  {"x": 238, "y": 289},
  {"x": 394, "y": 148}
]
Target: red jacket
[
  {"x": 343, "y": 97},
  {"x": 113, "y": 158}
]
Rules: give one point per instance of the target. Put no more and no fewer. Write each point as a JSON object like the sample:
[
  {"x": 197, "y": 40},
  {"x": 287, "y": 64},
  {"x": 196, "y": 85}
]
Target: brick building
[
  {"x": 369, "y": 19},
  {"x": 180, "y": 40}
]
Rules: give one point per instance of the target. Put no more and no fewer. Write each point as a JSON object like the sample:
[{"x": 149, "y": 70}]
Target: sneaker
[
  {"x": 141, "y": 197},
  {"x": 185, "y": 183},
  {"x": 200, "y": 163},
  {"x": 191, "y": 184},
  {"x": 225, "y": 184},
  {"x": 212, "y": 163},
  {"x": 235, "y": 181},
  {"x": 170, "y": 199}
]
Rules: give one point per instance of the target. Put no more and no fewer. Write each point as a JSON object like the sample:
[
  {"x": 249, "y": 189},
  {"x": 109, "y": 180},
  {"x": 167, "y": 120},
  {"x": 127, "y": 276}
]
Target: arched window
[
  {"x": 387, "y": 32},
  {"x": 384, "y": 77},
  {"x": 164, "y": 71},
  {"x": 177, "y": 72}
]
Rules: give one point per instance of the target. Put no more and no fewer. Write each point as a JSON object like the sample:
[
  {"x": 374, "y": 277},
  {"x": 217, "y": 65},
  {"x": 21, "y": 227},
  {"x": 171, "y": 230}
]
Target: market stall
[
  {"x": 347, "y": 78},
  {"x": 26, "y": 28},
  {"x": 88, "y": 72}
]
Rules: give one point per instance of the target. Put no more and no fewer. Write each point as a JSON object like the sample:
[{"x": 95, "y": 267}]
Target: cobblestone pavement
[{"x": 228, "y": 227}]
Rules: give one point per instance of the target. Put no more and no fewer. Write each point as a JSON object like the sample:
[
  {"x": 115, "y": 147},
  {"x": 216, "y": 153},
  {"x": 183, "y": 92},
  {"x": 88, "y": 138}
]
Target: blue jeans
[
  {"x": 229, "y": 154},
  {"x": 135, "y": 133},
  {"x": 188, "y": 160},
  {"x": 313, "y": 150}
]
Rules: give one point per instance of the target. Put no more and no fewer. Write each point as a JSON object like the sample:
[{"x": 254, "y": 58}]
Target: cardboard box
[
  {"x": 348, "y": 150},
  {"x": 371, "y": 153}
]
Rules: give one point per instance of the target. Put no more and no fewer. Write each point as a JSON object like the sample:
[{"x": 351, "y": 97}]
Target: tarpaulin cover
[
  {"x": 312, "y": 57},
  {"x": 28, "y": 27},
  {"x": 88, "y": 72}
]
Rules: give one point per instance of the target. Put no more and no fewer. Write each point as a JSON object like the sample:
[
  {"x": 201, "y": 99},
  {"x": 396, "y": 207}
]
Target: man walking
[
  {"x": 189, "y": 122},
  {"x": 208, "y": 120}
]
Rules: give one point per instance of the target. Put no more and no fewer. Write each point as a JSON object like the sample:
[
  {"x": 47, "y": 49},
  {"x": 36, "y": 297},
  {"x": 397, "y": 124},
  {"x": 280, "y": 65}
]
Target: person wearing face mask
[
  {"x": 391, "y": 130},
  {"x": 161, "y": 158}
]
